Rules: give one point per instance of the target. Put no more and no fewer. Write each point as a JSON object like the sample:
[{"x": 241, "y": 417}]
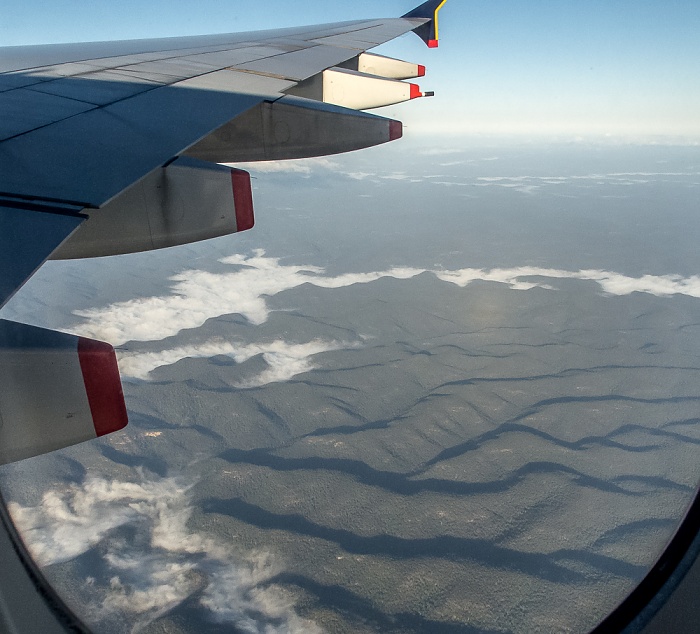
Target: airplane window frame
[
  {"x": 27, "y": 599},
  {"x": 639, "y": 609}
]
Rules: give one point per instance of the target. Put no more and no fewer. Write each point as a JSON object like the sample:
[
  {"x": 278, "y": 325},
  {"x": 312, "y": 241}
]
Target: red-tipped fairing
[
  {"x": 185, "y": 201},
  {"x": 103, "y": 387},
  {"x": 242, "y": 199},
  {"x": 352, "y": 89},
  {"x": 58, "y": 390},
  {"x": 395, "y": 130}
]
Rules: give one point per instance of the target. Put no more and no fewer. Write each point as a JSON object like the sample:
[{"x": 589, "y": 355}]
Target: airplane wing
[{"x": 116, "y": 147}]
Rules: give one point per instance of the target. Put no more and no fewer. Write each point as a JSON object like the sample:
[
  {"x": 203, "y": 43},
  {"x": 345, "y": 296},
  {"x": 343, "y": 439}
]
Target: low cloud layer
[
  {"x": 521, "y": 278},
  {"x": 196, "y": 296},
  {"x": 529, "y": 184},
  {"x": 284, "y": 360},
  {"x": 138, "y": 580}
]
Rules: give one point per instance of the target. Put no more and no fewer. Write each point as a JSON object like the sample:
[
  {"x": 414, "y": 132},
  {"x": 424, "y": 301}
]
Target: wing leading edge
[{"x": 112, "y": 147}]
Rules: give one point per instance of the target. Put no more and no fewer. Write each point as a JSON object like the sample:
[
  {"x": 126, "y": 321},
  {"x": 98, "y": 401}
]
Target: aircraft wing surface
[
  {"x": 105, "y": 117},
  {"x": 116, "y": 147}
]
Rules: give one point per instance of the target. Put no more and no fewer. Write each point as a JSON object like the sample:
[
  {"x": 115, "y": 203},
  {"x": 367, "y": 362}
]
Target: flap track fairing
[
  {"x": 356, "y": 90},
  {"x": 386, "y": 67},
  {"x": 291, "y": 128},
  {"x": 57, "y": 390},
  {"x": 185, "y": 201}
]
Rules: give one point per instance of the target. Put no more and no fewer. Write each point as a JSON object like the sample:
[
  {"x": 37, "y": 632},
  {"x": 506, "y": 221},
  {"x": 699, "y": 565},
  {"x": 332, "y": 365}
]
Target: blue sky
[{"x": 562, "y": 69}]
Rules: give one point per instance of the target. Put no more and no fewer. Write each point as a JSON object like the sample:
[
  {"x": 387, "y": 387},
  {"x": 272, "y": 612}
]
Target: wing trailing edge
[{"x": 49, "y": 225}]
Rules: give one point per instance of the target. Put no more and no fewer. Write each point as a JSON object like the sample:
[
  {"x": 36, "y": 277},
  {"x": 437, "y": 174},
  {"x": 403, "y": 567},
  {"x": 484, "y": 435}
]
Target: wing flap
[
  {"x": 233, "y": 81},
  {"x": 298, "y": 65}
]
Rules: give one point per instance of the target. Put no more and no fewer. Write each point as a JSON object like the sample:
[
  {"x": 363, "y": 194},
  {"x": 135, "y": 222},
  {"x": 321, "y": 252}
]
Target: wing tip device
[{"x": 427, "y": 31}]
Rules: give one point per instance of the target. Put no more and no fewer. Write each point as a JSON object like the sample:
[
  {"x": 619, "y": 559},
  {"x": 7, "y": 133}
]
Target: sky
[{"x": 624, "y": 70}]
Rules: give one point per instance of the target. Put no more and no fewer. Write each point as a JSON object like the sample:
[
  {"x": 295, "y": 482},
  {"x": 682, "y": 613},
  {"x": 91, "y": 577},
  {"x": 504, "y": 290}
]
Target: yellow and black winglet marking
[{"x": 428, "y": 32}]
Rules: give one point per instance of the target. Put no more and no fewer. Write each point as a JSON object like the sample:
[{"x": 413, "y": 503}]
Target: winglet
[{"x": 428, "y": 31}]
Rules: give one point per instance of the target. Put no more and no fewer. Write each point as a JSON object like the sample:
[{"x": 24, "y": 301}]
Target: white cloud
[
  {"x": 660, "y": 285},
  {"x": 528, "y": 189},
  {"x": 511, "y": 277},
  {"x": 655, "y": 174},
  {"x": 196, "y": 296},
  {"x": 498, "y": 179},
  {"x": 440, "y": 151},
  {"x": 360, "y": 176},
  {"x": 276, "y": 606},
  {"x": 65, "y": 526},
  {"x": 395, "y": 176},
  {"x": 614, "y": 283},
  {"x": 450, "y": 183},
  {"x": 134, "y": 583},
  {"x": 348, "y": 279},
  {"x": 613, "y": 178},
  {"x": 284, "y": 360},
  {"x": 199, "y": 295}
]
